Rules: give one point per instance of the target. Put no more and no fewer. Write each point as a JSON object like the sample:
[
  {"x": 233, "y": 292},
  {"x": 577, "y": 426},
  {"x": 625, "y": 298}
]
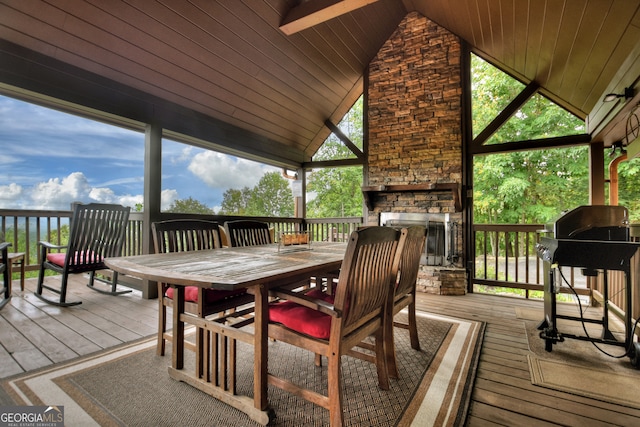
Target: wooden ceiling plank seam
[
  {"x": 588, "y": 29},
  {"x": 175, "y": 96},
  {"x": 548, "y": 42},
  {"x": 534, "y": 39},
  {"x": 492, "y": 19},
  {"x": 627, "y": 73},
  {"x": 294, "y": 118},
  {"x": 476, "y": 25},
  {"x": 606, "y": 50},
  {"x": 521, "y": 32},
  {"x": 505, "y": 10},
  {"x": 565, "y": 42},
  {"x": 276, "y": 90},
  {"x": 39, "y": 39},
  {"x": 282, "y": 44},
  {"x": 201, "y": 94},
  {"x": 273, "y": 77},
  {"x": 278, "y": 67}
]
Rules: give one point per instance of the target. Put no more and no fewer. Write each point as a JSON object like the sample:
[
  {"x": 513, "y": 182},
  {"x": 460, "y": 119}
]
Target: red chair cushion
[
  {"x": 58, "y": 258},
  {"x": 303, "y": 319},
  {"x": 211, "y": 295}
]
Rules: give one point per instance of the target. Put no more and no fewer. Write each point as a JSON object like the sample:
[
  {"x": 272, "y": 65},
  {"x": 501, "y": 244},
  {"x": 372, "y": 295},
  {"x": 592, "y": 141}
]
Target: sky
[{"x": 50, "y": 159}]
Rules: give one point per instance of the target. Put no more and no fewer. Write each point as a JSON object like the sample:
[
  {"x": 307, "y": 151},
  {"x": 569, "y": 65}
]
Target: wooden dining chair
[
  {"x": 5, "y": 291},
  {"x": 96, "y": 232},
  {"x": 182, "y": 236},
  {"x": 248, "y": 233},
  {"x": 405, "y": 292},
  {"x": 331, "y": 325}
]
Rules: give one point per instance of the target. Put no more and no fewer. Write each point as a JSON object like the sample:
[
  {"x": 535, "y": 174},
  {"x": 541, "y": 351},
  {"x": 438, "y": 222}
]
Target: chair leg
[
  {"x": 413, "y": 328},
  {"x": 61, "y": 302},
  {"x": 334, "y": 391},
  {"x": 114, "y": 285},
  {"x": 162, "y": 325},
  {"x": 381, "y": 358}
]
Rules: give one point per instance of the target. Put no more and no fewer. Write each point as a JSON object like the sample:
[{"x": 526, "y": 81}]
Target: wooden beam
[
  {"x": 313, "y": 12},
  {"x": 533, "y": 144},
  {"x": 344, "y": 138},
  {"x": 505, "y": 114},
  {"x": 332, "y": 163}
]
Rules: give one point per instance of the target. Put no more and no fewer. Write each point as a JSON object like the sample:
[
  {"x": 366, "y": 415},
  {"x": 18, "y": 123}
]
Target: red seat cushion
[
  {"x": 303, "y": 319},
  {"x": 58, "y": 258},
  {"x": 211, "y": 295}
]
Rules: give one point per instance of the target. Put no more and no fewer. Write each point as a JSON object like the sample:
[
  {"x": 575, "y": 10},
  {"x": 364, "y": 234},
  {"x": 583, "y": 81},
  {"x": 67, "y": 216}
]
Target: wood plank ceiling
[{"x": 223, "y": 75}]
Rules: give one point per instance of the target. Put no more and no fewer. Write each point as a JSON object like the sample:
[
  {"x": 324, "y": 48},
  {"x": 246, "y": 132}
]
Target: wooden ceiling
[{"x": 222, "y": 74}]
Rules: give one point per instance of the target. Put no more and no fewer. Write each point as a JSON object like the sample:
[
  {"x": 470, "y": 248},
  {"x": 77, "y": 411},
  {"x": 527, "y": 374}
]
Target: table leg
[
  {"x": 177, "y": 352},
  {"x": 260, "y": 378}
]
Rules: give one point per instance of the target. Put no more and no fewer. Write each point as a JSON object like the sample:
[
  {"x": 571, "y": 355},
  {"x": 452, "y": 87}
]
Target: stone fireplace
[{"x": 414, "y": 164}]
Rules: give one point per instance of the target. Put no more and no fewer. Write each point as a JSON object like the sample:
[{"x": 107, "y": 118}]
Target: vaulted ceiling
[{"x": 224, "y": 75}]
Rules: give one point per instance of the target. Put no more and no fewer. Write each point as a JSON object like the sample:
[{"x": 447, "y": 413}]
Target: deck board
[{"x": 34, "y": 334}]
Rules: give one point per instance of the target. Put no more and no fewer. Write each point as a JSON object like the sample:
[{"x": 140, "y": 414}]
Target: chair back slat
[
  {"x": 366, "y": 277},
  {"x": 185, "y": 235},
  {"x": 410, "y": 259},
  {"x": 248, "y": 233},
  {"x": 96, "y": 231}
]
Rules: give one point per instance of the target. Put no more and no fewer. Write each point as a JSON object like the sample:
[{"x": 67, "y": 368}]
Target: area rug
[
  {"x": 130, "y": 386},
  {"x": 579, "y": 367},
  {"x": 591, "y": 382}
]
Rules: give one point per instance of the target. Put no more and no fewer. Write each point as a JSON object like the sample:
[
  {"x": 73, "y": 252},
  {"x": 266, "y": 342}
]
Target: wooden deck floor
[{"x": 34, "y": 334}]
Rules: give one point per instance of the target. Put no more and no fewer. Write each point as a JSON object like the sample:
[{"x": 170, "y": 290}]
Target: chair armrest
[
  {"x": 306, "y": 301},
  {"x": 51, "y": 245},
  {"x": 4, "y": 245}
]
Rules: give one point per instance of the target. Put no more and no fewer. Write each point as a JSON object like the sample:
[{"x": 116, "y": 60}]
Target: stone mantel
[{"x": 453, "y": 187}]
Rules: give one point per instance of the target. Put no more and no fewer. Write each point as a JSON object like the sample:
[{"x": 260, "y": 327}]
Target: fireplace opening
[{"x": 441, "y": 235}]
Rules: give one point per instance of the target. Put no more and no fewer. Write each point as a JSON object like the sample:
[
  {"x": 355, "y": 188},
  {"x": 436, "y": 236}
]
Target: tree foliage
[
  {"x": 189, "y": 205},
  {"x": 270, "y": 197},
  {"x": 337, "y": 192},
  {"x": 528, "y": 186}
]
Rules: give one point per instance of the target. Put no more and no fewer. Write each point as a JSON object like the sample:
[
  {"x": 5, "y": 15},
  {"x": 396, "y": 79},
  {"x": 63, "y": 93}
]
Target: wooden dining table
[{"x": 254, "y": 268}]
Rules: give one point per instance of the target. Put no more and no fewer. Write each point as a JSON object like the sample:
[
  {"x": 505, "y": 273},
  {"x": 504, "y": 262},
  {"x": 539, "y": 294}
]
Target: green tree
[
  {"x": 337, "y": 192},
  {"x": 235, "y": 202},
  {"x": 527, "y": 186},
  {"x": 189, "y": 205},
  {"x": 270, "y": 197}
]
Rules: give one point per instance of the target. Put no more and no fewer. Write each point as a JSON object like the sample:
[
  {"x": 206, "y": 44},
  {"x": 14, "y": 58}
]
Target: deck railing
[
  {"x": 25, "y": 228},
  {"x": 505, "y": 257},
  {"x": 505, "y": 254}
]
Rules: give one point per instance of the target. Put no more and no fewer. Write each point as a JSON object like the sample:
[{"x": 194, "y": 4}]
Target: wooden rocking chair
[
  {"x": 96, "y": 232},
  {"x": 331, "y": 326},
  {"x": 5, "y": 291},
  {"x": 191, "y": 235}
]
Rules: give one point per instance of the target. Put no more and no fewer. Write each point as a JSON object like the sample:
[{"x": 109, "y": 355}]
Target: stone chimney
[{"x": 415, "y": 136}]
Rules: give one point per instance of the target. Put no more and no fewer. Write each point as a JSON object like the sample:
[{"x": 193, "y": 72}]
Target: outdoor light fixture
[
  {"x": 628, "y": 93},
  {"x": 617, "y": 146}
]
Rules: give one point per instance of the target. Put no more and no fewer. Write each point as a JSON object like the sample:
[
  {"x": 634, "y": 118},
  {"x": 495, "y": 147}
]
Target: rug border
[
  {"x": 538, "y": 379},
  {"x": 467, "y": 333}
]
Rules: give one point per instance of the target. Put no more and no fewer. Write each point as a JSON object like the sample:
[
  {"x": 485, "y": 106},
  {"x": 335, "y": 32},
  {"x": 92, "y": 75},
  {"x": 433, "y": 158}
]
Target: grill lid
[{"x": 592, "y": 223}]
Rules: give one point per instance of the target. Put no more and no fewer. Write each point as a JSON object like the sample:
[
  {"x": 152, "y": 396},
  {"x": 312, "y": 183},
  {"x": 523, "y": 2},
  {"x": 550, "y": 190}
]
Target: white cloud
[
  {"x": 167, "y": 197},
  {"x": 221, "y": 171},
  {"x": 10, "y": 193},
  {"x": 59, "y": 194}
]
